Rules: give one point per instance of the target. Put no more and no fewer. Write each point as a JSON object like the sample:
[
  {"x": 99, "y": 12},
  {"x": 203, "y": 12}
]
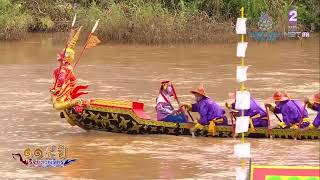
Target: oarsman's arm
[
  {"x": 311, "y": 105},
  {"x": 232, "y": 108},
  {"x": 191, "y": 107},
  {"x": 256, "y": 115},
  {"x": 188, "y": 107},
  {"x": 273, "y": 108}
]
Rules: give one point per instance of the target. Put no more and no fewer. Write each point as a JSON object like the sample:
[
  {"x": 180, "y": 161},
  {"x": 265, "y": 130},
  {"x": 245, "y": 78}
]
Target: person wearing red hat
[
  {"x": 209, "y": 110},
  {"x": 164, "y": 108},
  {"x": 315, "y": 105},
  {"x": 290, "y": 110}
]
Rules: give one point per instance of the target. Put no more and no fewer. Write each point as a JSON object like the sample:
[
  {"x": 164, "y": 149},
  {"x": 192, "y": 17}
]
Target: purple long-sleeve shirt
[
  {"x": 208, "y": 110},
  {"x": 255, "y": 110},
  {"x": 291, "y": 111},
  {"x": 316, "y": 121}
]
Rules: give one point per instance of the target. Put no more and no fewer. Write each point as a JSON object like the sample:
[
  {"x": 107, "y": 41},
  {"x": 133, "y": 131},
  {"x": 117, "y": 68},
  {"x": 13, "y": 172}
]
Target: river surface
[{"x": 133, "y": 72}]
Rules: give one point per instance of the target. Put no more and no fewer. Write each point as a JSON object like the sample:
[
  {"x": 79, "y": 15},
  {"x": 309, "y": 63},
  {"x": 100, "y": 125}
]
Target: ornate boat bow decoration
[{"x": 64, "y": 92}]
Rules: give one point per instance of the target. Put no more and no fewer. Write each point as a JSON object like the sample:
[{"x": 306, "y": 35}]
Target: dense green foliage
[
  {"x": 14, "y": 22},
  {"x": 151, "y": 21}
]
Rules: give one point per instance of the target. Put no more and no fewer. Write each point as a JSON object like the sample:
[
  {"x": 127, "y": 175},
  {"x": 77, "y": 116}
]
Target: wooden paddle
[
  {"x": 87, "y": 42},
  {"x": 277, "y": 117},
  {"x": 182, "y": 110},
  {"x": 301, "y": 121},
  {"x": 268, "y": 117},
  {"x": 232, "y": 116},
  {"x": 302, "y": 114}
]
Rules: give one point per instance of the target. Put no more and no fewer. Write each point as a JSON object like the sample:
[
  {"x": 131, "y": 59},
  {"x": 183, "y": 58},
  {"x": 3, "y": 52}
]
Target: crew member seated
[
  {"x": 164, "y": 108},
  {"x": 258, "y": 115},
  {"x": 291, "y": 111},
  {"x": 210, "y": 112}
]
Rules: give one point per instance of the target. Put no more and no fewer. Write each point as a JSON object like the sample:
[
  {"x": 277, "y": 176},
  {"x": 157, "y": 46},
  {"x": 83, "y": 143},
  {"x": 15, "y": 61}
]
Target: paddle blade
[{"x": 93, "y": 41}]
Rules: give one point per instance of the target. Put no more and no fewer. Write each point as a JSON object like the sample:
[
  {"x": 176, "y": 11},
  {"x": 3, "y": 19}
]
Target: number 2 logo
[{"x": 293, "y": 16}]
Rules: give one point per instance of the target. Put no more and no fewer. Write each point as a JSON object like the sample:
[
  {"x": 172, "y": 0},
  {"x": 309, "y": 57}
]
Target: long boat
[{"x": 130, "y": 118}]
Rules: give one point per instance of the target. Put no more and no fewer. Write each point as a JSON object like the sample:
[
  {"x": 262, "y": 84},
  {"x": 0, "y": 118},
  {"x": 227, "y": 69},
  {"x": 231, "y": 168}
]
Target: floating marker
[
  {"x": 241, "y": 27},
  {"x": 243, "y": 100},
  {"x": 241, "y": 49},
  {"x": 242, "y": 124},
  {"x": 242, "y": 150},
  {"x": 242, "y": 174},
  {"x": 242, "y": 73}
]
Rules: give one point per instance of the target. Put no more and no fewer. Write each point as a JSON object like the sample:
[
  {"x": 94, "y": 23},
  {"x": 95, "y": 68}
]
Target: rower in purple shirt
[
  {"x": 207, "y": 108},
  {"x": 291, "y": 111},
  {"x": 315, "y": 105},
  {"x": 258, "y": 115}
]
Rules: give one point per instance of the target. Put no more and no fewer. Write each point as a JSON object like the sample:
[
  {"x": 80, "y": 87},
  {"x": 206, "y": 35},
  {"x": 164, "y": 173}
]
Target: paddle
[
  {"x": 87, "y": 42},
  {"x": 277, "y": 117},
  {"x": 302, "y": 114},
  {"x": 232, "y": 116},
  {"x": 86, "y": 45},
  {"x": 301, "y": 120},
  {"x": 182, "y": 110},
  {"x": 268, "y": 117}
]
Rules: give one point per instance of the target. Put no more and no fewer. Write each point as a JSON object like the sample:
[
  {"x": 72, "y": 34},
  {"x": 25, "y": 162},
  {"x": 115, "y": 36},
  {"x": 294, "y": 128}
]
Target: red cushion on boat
[{"x": 138, "y": 109}]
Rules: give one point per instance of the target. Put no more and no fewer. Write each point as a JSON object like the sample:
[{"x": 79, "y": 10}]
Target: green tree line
[{"x": 152, "y": 21}]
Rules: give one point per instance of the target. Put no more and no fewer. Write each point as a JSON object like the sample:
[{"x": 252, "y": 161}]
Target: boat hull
[{"x": 124, "y": 119}]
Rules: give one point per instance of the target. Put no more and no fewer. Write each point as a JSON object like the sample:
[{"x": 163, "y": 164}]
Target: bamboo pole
[{"x": 242, "y": 87}]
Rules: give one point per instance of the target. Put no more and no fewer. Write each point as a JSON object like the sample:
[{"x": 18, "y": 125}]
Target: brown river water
[{"x": 133, "y": 72}]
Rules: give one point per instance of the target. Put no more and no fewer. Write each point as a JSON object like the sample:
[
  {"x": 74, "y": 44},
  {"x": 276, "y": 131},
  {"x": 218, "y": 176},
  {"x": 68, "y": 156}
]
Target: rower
[
  {"x": 210, "y": 112},
  {"x": 291, "y": 111},
  {"x": 315, "y": 105},
  {"x": 258, "y": 116},
  {"x": 164, "y": 108}
]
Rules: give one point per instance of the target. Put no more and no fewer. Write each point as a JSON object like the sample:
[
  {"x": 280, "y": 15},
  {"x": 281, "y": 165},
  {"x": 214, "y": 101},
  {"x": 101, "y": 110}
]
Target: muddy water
[{"x": 133, "y": 72}]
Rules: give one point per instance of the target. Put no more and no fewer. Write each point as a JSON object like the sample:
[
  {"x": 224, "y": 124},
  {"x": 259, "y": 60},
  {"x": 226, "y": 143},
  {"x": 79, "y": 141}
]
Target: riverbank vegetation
[{"x": 151, "y": 21}]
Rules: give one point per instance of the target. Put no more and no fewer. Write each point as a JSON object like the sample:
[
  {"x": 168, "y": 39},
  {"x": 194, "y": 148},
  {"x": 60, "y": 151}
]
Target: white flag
[
  {"x": 242, "y": 124},
  {"x": 243, "y": 100},
  {"x": 242, "y": 174},
  {"x": 242, "y": 73},
  {"x": 242, "y": 150},
  {"x": 241, "y": 49},
  {"x": 241, "y": 26}
]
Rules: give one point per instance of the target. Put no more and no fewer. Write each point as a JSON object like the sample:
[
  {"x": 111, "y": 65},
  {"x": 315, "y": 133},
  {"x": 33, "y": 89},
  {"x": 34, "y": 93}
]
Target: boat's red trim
[{"x": 138, "y": 109}]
